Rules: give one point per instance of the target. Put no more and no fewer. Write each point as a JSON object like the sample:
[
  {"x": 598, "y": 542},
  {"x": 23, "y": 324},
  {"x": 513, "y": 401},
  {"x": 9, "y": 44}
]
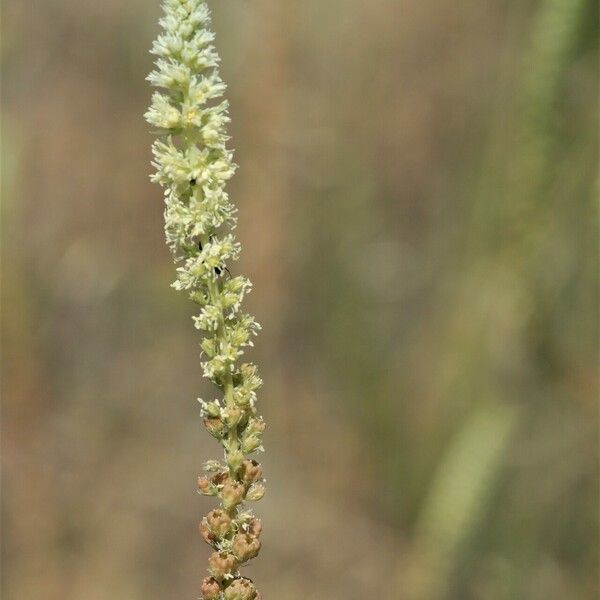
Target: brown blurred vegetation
[{"x": 417, "y": 211}]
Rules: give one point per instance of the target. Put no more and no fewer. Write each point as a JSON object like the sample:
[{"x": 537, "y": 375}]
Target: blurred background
[{"x": 417, "y": 211}]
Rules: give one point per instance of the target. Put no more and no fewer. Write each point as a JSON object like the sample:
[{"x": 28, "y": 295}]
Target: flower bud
[
  {"x": 251, "y": 471},
  {"x": 208, "y": 346},
  {"x": 215, "y": 427},
  {"x": 245, "y": 546},
  {"x": 218, "y": 522},
  {"x": 232, "y": 416},
  {"x": 232, "y": 494},
  {"x": 212, "y": 409},
  {"x": 256, "y": 492},
  {"x": 221, "y": 564},
  {"x": 240, "y": 589},
  {"x": 212, "y": 466},
  {"x": 205, "y": 486},
  {"x": 249, "y": 374},
  {"x": 256, "y": 426},
  {"x": 210, "y": 589},
  {"x": 248, "y": 370},
  {"x": 243, "y": 397},
  {"x": 250, "y": 443}
]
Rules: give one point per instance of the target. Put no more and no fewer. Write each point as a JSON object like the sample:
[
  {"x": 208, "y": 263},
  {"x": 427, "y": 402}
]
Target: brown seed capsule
[
  {"x": 221, "y": 564},
  {"x": 245, "y": 546},
  {"x": 232, "y": 494},
  {"x": 207, "y": 535},
  {"x": 255, "y": 528},
  {"x": 219, "y": 478},
  {"x": 215, "y": 427},
  {"x": 205, "y": 486},
  {"x": 210, "y": 589},
  {"x": 240, "y": 589},
  {"x": 219, "y": 522},
  {"x": 251, "y": 471}
]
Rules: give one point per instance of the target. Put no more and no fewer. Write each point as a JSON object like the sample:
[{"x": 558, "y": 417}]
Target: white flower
[{"x": 162, "y": 114}]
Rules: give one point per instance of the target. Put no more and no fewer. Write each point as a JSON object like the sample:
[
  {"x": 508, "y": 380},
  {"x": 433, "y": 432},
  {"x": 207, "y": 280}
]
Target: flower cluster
[{"x": 193, "y": 165}]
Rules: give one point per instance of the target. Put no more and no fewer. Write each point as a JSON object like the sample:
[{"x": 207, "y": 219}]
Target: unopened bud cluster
[{"x": 193, "y": 165}]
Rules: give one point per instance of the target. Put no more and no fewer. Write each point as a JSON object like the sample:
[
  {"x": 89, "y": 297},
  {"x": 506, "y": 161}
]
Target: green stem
[{"x": 232, "y": 445}]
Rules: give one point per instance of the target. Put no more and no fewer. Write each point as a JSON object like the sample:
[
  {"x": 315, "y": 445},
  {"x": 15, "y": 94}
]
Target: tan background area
[{"x": 417, "y": 211}]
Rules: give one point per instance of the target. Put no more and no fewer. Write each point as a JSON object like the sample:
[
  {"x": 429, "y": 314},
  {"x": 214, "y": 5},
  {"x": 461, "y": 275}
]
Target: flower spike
[{"x": 193, "y": 165}]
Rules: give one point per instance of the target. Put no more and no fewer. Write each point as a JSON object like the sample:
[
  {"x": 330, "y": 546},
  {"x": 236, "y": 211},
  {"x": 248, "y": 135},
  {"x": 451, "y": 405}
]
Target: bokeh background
[{"x": 417, "y": 204}]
